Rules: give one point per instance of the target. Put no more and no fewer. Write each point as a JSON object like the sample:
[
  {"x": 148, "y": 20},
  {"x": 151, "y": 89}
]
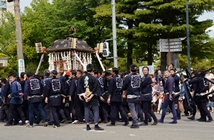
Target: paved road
[{"x": 184, "y": 130}]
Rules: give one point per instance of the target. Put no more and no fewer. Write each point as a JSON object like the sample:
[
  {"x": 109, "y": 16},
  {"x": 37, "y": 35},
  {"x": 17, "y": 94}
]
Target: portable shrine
[{"x": 69, "y": 54}]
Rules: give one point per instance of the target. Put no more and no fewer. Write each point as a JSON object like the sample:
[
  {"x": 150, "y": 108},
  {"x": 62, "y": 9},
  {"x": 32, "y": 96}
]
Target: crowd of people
[{"x": 108, "y": 97}]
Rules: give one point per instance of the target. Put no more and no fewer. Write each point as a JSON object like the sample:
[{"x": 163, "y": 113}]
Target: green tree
[
  {"x": 7, "y": 31},
  {"x": 52, "y": 21},
  {"x": 7, "y": 43},
  {"x": 141, "y": 23},
  {"x": 8, "y": 47},
  {"x": 36, "y": 24},
  {"x": 126, "y": 25},
  {"x": 168, "y": 20}
]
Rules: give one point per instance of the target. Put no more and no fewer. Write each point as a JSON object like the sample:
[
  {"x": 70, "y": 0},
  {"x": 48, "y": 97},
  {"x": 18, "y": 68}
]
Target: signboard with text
[
  {"x": 169, "y": 45},
  {"x": 21, "y": 66}
]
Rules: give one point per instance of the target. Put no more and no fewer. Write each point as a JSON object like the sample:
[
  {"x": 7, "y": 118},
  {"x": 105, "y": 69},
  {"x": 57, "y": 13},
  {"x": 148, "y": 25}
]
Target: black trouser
[
  {"x": 3, "y": 114},
  {"x": 13, "y": 109},
  {"x": 204, "y": 111},
  {"x": 139, "y": 111},
  {"x": 146, "y": 106},
  {"x": 69, "y": 108},
  {"x": 73, "y": 110},
  {"x": 79, "y": 110},
  {"x": 7, "y": 108},
  {"x": 177, "y": 107},
  {"x": 25, "y": 109},
  {"x": 117, "y": 107},
  {"x": 47, "y": 112},
  {"x": 187, "y": 108},
  {"x": 55, "y": 111},
  {"x": 104, "y": 111},
  {"x": 33, "y": 107},
  {"x": 194, "y": 109}
]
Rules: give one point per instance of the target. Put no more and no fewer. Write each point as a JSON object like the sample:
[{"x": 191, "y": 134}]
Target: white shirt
[
  {"x": 210, "y": 90},
  {"x": 209, "y": 76}
]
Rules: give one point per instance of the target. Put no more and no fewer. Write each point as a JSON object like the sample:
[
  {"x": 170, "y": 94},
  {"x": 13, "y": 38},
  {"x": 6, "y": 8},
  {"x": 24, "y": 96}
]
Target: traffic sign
[
  {"x": 169, "y": 45},
  {"x": 171, "y": 50}
]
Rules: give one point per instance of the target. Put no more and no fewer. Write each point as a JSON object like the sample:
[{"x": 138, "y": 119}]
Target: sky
[{"x": 205, "y": 16}]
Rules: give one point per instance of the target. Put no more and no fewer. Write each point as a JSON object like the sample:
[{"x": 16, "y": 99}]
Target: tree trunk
[
  {"x": 130, "y": 46},
  {"x": 129, "y": 55},
  {"x": 163, "y": 61},
  {"x": 150, "y": 57}
]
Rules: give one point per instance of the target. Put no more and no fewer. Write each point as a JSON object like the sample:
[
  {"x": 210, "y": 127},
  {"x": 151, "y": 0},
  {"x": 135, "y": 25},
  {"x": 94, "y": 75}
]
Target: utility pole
[
  {"x": 187, "y": 28},
  {"x": 21, "y": 63},
  {"x": 114, "y": 33}
]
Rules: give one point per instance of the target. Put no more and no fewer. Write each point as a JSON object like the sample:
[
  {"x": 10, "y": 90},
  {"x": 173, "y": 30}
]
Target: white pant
[{"x": 159, "y": 104}]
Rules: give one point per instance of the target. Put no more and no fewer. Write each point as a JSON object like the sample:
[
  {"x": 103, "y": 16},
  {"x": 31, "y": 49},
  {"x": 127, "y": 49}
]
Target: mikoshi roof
[{"x": 65, "y": 45}]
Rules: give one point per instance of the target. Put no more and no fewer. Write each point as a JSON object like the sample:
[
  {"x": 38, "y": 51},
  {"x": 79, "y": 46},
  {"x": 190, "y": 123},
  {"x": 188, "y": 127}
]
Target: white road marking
[
  {"x": 94, "y": 131},
  {"x": 132, "y": 135}
]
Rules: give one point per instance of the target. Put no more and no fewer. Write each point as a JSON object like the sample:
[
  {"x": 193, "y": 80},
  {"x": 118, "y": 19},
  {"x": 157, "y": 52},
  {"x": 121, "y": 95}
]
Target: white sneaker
[
  {"x": 75, "y": 121},
  {"x": 29, "y": 126},
  {"x": 54, "y": 126}
]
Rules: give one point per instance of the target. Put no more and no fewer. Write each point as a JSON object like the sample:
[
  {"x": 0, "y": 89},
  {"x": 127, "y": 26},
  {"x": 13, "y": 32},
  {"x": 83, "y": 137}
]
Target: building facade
[{"x": 5, "y": 6}]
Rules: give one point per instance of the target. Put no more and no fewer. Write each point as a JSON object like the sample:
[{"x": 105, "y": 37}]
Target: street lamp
[{"x": 187, "y": 26}]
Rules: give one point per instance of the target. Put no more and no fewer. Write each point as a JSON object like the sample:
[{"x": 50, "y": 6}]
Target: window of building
[{"x": 3, "y": 4}]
